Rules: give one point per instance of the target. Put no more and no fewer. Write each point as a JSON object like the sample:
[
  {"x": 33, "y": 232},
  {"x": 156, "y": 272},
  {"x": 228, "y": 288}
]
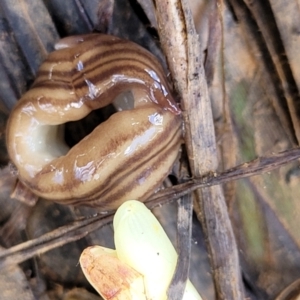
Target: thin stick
[
  {"x": 54, "y": 239},
  {"x": 184, "y": 236},
  {"x": 81, "y": 228},
  {"x": 252, "y": 168}
]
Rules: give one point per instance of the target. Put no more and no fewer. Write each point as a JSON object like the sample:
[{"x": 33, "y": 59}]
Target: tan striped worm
[{"x": 126, "y": 156}]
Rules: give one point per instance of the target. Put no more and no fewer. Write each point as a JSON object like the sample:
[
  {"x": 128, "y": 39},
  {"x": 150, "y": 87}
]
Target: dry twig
[{"x": 83, "y": 227}]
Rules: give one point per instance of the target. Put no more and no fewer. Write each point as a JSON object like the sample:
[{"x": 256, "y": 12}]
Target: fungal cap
[{"x": 142, "y": 243}]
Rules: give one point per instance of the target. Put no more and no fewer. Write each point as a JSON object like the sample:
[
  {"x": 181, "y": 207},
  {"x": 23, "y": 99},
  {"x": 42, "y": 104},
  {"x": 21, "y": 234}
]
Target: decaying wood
[
  {"x": 181, "y": 45},
  {"x": 216, "y": 80}
]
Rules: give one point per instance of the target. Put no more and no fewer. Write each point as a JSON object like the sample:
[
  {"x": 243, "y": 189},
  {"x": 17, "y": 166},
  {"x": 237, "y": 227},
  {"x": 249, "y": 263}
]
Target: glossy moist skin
[{"x": 127, "y": 156}]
